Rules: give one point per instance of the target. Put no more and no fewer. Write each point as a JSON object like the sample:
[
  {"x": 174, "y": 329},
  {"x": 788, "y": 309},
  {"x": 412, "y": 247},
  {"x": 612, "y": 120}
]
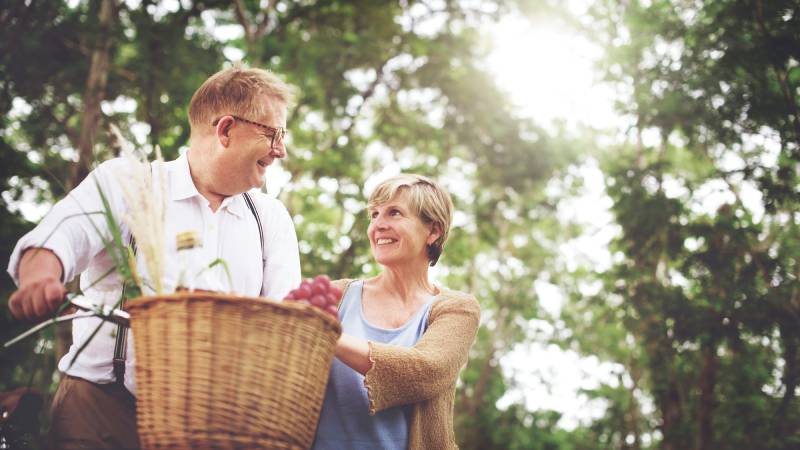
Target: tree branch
[
  {"x": 780, "y": 74},
  {"x": 261, "y": 27},
  {"x": 241, "y": 16}
]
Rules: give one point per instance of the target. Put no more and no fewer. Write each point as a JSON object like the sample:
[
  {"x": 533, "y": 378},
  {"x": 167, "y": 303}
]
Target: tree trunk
[
  {"x": 672, "y": 417},
  {"x": 666, "y": 390},
  {"x": 708, "y": 380},
  {"x": 472, "y": 405},
  {"x": 95, "y": 92},
  {"x": 90, "y": 118},
  {"x": 791, "y": 379},
  {"x": 634, "y": 415},
  {"x": 473, "y": 429}
]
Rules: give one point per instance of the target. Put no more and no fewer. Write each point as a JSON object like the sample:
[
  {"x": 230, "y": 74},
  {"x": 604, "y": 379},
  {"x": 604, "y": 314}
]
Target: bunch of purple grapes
[{"x": 318, "y": 292}]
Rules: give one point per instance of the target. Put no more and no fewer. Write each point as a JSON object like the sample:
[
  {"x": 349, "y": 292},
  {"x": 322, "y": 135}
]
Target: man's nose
[{"x": 278, "y": 151}]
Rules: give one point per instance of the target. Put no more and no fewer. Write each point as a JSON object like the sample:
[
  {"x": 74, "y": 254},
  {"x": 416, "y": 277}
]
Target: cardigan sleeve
[{"x": 403, "y": 375}]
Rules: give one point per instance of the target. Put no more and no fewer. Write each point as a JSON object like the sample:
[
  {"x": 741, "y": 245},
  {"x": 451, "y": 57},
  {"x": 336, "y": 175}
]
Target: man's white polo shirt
[{"x": 230, "y": 234}]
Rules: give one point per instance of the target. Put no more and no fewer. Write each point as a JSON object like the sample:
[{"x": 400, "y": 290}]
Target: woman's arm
[
  {"x": 403, "y": 375},
  {"x": 354, "y": 352}
]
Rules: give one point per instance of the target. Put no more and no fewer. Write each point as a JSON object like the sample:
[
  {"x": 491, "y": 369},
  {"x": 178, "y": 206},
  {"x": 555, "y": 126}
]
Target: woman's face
[{"x": 396, "y": 235}]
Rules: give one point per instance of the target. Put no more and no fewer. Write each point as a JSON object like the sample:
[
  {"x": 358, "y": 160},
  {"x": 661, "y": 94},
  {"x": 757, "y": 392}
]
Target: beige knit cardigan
[{"x": 424, "y": 376}]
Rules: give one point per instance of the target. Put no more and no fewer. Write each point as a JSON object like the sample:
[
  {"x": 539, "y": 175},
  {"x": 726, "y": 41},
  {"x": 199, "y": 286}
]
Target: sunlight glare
[{"x": 548, "y": 73}]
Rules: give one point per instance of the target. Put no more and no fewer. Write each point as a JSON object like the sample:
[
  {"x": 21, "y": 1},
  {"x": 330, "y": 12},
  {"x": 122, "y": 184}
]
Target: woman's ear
[{"x": 435, "y": 234}]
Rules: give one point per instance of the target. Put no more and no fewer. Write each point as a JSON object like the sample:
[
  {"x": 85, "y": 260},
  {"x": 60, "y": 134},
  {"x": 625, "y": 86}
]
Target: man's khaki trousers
[{"x": 86, "y": 415}]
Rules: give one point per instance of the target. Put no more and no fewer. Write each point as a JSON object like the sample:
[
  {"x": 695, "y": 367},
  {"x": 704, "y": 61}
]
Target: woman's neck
[{"x": 408, "y": 286}]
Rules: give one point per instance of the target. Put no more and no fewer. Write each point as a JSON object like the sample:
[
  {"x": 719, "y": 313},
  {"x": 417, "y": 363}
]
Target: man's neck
[{"x": 200, "y": 178}]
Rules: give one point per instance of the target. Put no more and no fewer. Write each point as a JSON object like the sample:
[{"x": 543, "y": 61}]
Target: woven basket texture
[{"x": 217, "y": 371}]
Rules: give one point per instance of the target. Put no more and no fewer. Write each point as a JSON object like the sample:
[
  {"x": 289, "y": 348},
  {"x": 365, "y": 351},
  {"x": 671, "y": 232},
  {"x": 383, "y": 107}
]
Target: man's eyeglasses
[{"x": 277, "y": 133}]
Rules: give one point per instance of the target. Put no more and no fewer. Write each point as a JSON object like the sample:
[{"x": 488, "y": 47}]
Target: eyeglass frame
[{"x": 278, "y": 133}]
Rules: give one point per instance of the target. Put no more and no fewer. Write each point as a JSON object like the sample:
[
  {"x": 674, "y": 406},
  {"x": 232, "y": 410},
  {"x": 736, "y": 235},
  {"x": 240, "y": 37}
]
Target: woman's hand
[{"x": 354, "y": 352}]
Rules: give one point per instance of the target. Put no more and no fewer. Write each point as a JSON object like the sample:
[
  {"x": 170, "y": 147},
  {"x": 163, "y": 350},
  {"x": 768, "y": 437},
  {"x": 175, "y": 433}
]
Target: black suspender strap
[
  {"x": 121, "y": 344},
  {"x": 252, "y": 206}
]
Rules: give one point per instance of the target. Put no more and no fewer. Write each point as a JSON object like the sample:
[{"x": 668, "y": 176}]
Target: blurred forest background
[{"x": 691, "y": 326}]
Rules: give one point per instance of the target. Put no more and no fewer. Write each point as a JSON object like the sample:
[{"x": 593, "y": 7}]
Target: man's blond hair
[
  {"x": 237, "y": 91},
  {"x": 426, "y": 198}
]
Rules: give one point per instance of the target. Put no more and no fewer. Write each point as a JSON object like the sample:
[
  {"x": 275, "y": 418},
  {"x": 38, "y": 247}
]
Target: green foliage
[
  {"x": 378, "y": 82},
  {"x": 702, "y": 303},
  {"x": 703, "y": 296}
]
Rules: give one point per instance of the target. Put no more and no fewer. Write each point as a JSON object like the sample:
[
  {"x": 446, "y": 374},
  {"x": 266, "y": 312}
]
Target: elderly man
[{"x": 238, "y": 120}]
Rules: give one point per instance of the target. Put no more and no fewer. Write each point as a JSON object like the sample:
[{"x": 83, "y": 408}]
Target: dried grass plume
[{"x": 145, "y": 194}]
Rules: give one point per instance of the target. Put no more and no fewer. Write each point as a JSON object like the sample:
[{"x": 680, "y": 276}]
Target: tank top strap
[{"x": 351, "y": 297}]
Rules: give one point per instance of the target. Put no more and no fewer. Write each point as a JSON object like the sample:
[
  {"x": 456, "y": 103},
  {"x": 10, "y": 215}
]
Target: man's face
[{"x": 242, "y": 163}]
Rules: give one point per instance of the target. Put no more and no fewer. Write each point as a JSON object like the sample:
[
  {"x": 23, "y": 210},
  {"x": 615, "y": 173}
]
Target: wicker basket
[{"x": 216, "y": 371}]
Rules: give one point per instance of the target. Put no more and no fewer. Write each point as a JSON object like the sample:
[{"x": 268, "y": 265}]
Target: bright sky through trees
[
  {"x": 549, "y": 75},
  {"x": 548, "y": 72}
]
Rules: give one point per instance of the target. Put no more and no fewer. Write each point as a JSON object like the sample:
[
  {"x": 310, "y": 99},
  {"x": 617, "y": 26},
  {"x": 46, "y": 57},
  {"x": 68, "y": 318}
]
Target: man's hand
[{"x": 40, "y": 290}]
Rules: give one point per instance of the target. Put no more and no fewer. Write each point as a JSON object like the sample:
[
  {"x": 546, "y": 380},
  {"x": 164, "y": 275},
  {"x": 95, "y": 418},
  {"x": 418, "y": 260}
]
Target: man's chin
[
  {"x": 259, "y": 183},
  {"x": 254, "y": 184}
]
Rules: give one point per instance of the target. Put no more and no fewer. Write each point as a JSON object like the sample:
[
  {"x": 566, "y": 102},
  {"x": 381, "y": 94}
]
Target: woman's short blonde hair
[
  {"x": 427, "y": 199},
  {"x": 237, "y": 91}
]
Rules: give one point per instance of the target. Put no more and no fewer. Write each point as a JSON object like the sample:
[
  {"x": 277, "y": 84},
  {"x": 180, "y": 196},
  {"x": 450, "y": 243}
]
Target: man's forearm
[
  {"x": 38, "y": 263},
  {"x": 40, "y": 291}
]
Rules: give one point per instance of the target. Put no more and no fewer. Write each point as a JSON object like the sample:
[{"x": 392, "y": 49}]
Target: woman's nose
[{"x": 379, "y": 223}]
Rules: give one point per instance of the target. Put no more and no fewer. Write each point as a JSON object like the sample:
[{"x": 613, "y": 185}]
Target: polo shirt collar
[
  {"x": 182, "y": 186},
  {"x": 234, "y": 205}
]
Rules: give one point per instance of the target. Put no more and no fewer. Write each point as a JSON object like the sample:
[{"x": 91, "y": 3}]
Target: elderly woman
[{"x": 392, "y": 384}]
